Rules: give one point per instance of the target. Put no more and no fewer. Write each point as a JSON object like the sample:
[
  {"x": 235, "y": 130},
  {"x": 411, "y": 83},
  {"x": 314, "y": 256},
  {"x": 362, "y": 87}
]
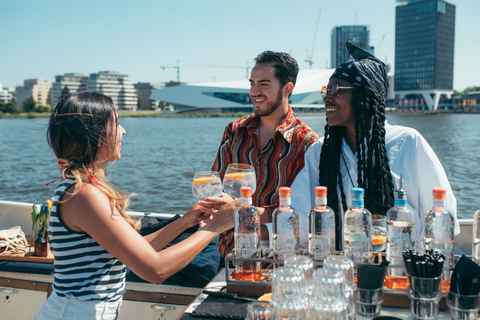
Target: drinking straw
[{"x": 429, "y": 265}]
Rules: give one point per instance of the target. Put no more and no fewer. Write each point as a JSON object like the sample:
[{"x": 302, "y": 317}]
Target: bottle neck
[
  {"x": 320, "y": 202},
  {"x": 246, "y": 201},
  {"x": 358, "y": 203},
  {"x": 400, "y": 202},
  {"x": 285, "y": 202},
  {"x": 439, "y": 203}
]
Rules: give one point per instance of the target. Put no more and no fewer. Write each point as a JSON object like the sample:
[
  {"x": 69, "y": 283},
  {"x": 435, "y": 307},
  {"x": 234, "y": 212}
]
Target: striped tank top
[{"x": 82, "y": 268}]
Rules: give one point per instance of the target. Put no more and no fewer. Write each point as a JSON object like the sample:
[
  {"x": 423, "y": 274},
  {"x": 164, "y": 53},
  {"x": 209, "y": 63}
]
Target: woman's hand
[
  {"x": 210, "y": 205},
  {"x": 196, "y": 215},
  {"x": 224, "y": 217}
]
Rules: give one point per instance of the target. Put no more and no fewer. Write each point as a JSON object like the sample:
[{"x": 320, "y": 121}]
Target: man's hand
[{"x": 210, "y": 205}]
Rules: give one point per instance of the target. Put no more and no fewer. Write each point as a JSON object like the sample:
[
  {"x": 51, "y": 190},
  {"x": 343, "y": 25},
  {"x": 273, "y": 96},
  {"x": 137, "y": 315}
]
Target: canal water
[{"x": 160, "y": 156}]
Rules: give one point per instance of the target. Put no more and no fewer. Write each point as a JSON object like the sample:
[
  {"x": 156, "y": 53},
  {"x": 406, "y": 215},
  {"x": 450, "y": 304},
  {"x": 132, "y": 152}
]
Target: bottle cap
[
  {"x": 439, "y": 193},
  {"x": 400, "y": 193},
  {"x": 284, "y": 192},
  {"x": 357, "y": 193},
  {"x": 246, "y": 192},
  {"x": 320, "y": 192}
]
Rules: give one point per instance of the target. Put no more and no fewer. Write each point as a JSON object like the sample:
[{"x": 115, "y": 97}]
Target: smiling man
[{"x": 272, "y": 139}]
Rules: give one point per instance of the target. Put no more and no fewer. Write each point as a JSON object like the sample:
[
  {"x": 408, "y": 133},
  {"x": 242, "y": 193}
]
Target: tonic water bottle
[
  {"x": 400, "y": 233},
  {"x": 476, "y": 237},
  {"x": 439, "y": 228},
  {"x": 358, "y": 229},
  {"x": 321, "y": 227},
  {"x": 247, "y": 238},
  {"x": 286, "y": 240}
]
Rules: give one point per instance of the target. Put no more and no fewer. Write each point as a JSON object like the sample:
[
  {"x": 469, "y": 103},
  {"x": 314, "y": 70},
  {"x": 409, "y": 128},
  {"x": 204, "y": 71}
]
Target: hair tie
[
  {"x": 92, "y": 178},
  {"x": 63, "y": 163}
]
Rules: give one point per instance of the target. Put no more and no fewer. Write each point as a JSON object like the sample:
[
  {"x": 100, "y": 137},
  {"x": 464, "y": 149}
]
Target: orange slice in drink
[
  {"x": 203, "y": 180},
  {"x": 235, "y": 175},
  {"x": 376, "y": 240}
]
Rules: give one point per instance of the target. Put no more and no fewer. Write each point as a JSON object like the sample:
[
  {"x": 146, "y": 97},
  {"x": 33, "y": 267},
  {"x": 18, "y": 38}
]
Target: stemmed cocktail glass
[
  {"x": 206, "y": 184},
  {"x": 236, "y": 176}
]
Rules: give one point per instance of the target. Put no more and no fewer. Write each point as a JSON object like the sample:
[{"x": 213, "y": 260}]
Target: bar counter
[{"x": 219, "y": 284}]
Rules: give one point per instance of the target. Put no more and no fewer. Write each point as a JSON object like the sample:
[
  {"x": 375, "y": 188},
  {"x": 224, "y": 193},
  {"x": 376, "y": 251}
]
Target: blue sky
[{"x": 212, "y": 39}]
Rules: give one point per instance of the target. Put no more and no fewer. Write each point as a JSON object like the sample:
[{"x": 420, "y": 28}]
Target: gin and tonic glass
[
  {"x": 206, "y": 184},
  {"x": 236, "y": 176}
]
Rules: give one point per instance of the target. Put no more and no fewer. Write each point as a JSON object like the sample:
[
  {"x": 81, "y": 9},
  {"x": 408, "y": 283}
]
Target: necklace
[{"x": 346, "y": 167}]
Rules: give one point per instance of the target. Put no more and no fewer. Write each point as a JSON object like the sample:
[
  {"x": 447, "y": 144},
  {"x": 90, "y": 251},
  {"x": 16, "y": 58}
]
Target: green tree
[
  {"x": 9, "y": 107},
  {"x": 29, "y": 104},
  {"x": 43, "y": 109},
  {"x": 65, "y": 92},
  {"x": 12, "y": 107},
  {"x": 471, "y": 89},
  {"x": 139, "y": 100}
]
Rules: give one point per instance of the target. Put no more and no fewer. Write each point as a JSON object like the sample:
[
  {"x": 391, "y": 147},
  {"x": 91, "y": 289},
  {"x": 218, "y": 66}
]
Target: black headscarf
[{"x": 365, "y": 70}]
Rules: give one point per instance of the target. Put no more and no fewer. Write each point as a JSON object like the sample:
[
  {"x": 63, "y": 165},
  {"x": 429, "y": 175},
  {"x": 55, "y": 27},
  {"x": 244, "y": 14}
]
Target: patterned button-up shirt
[{"x": 276, "y": 165}]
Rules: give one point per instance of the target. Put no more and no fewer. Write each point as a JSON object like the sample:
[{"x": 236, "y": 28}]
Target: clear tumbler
[{"x": 424, "y": 294}]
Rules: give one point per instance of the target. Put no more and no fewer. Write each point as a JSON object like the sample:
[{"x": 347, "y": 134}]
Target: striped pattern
[
  {"x": 275, "y": 166},
  {"x": 82, "y": 268}
]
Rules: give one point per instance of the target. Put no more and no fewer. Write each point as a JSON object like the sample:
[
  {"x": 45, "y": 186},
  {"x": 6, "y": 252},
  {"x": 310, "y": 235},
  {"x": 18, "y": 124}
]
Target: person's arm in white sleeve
[{"x": 302, "y": 189}]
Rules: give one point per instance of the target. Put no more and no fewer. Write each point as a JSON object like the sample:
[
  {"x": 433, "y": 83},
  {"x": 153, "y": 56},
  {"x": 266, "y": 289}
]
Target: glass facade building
[
  {"x": 356, "y": 35},
  {"x": 424, "y": 45}
]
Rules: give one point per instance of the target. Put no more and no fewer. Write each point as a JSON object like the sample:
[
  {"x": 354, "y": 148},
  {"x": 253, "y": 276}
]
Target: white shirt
[{"x": 408, "y": 154}]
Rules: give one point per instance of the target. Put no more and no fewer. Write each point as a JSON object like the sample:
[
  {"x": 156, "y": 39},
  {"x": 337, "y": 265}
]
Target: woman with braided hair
[{"x": 360, "y": 149}]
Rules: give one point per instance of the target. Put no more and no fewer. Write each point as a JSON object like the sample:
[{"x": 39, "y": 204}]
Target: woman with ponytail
[
  {"x": 92, "y": 238},
  {"x": 360, "y": 149}
]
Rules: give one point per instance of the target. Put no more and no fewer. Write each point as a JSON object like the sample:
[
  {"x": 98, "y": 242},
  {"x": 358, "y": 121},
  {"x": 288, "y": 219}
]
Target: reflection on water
[{"x": 160, "y": 156}]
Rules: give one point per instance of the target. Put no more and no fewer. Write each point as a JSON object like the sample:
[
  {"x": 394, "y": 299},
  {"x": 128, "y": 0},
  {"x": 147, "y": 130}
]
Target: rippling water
[{"x": 160, "y": 156}]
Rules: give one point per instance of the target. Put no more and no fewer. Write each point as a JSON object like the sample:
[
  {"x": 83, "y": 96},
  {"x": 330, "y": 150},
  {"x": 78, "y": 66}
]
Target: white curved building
[{"x": 231, "y": 96}]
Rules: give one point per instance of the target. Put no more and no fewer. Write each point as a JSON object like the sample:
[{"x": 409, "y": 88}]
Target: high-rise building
[
  {"x": 356, "y": 35},
  {"x": 424, "y": 49},
  {"x": 40, "y": 90},
  {"x": 75, "y": 82},
  {"x": 117, "y": 86},
  {"x": 145, "y": 90}
]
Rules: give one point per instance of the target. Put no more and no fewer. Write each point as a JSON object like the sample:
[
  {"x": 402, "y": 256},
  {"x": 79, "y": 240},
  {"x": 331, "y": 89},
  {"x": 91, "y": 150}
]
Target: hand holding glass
[
  {"x": 236, "y": 176},
  {"x": 206, "y": 184}
]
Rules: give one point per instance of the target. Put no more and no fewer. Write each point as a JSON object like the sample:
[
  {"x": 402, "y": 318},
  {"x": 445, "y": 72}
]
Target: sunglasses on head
[{"x": 336, "y": 89}]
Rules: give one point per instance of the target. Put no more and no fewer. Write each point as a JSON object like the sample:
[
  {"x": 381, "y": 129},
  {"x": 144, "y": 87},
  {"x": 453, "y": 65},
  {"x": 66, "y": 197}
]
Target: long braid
[
  {"x": 330, "y": 175},
  {"x": 385, "y": 166},
  {"x": 375, "y": 178}
]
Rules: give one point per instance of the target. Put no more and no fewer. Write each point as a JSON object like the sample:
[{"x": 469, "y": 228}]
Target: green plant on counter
[{"x": 40, "y": 214}]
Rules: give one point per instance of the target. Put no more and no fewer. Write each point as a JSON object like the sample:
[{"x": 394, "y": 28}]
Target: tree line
[{"x": 29, "y": 105}]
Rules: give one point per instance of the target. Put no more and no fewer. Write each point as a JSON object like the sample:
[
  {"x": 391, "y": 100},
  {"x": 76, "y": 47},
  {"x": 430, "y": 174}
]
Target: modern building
[
  {"x": 356, "y": 35},
  {"x": 6, "y": 95},
  {"x": 234, "y": 95},
  {"x": 145, "y": 90},
  {"x": 75, "y": 82},
  {"x": 424, "y": 50},
  {"x": 40, "y": 90},
  {"x": 117, "y": 86}
]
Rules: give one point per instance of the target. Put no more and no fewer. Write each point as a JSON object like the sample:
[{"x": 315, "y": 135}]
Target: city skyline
[{"x": 211, "y": 40}]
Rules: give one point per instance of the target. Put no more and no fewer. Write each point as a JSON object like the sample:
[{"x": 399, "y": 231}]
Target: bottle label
[
  {"x": 320, "y": 201},
  {"x": 439, "y": 203},
  {"x": 285, "y": 245},
  {"x": 285, "y": 201},
  {"x": 246, "y": 245},
  {"x": 357, "y": 203},
  {"x": 400, "y": 202},
  {"x": 246, "y": 201},
  {"x": 320, "y": 246}
]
